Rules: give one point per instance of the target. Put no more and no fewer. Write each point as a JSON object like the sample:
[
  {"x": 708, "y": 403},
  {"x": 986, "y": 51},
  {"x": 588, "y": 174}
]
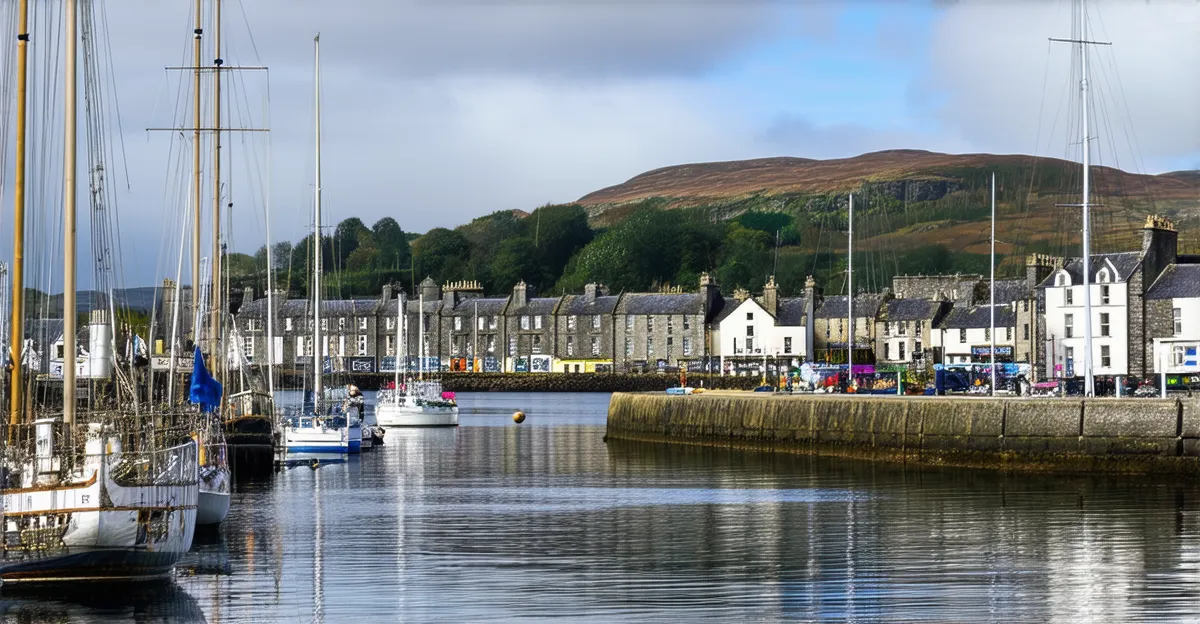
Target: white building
[
  {"x": 1174, "y": 314},
  {"x": 749, "y": 331},
  {"x": 964, "y": 335},
  {"x": 1065, "y": 320}
]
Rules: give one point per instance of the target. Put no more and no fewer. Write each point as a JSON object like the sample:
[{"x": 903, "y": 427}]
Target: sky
[{"x": 435, "y": 112}]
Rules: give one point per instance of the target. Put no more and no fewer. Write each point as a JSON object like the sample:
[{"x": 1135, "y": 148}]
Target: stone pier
[{"x": 1050, "y": 435}]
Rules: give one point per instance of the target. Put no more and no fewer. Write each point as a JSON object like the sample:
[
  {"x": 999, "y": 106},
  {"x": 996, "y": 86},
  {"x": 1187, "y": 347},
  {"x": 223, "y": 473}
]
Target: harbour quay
[{"x": 1059, "y": 435}]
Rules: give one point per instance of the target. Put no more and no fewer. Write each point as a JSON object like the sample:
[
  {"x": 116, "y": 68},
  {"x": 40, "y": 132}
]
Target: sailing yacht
[
  {"x": 414, "y": 404},
  {"x": 96, "y": 494},
  {"x": 316, "y": 430}
]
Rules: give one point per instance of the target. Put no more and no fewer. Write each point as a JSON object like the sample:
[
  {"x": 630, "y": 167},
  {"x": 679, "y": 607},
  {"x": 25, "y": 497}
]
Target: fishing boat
[
  {"x": 109, "y": 492},
  {"x": 420, "y": 403},
  {"x": 315, "y": 429}
]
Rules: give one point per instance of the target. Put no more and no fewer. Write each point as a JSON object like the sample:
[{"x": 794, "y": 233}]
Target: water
[{"x": 495, "y": 521}]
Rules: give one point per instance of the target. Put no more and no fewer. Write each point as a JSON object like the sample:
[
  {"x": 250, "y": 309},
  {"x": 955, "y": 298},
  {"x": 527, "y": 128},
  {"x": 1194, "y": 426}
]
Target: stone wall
[
  {"x": 1058, "y": 435},
  {"x": 540, "y": 382}
]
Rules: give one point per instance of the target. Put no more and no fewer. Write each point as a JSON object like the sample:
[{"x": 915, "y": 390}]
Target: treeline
[{"x": 556, "y": 249}]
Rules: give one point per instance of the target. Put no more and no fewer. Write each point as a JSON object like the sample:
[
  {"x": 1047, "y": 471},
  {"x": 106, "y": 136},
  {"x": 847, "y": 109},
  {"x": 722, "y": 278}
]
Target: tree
[
  {"x": 393, "y": 244},
  {"x": 345, "y": 239},
  {"x": 557, "y": 232},
  {"x": 441, "y": 254},
  {"x": 281, "y": 254},
  {"x": 515, "y": 260}
]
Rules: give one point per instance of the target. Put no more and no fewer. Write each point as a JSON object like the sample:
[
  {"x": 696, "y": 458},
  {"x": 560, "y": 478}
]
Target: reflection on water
[
  {"x": 91, "y": 602},
  {"x": 494, "y": 520}
]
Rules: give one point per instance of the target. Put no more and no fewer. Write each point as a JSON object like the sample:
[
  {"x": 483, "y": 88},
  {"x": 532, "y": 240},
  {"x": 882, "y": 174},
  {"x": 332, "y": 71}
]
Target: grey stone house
[
  {"x": 666, "y": 330},
  {"x": 585, "y": 333},
  {"x": 831, "y": 334},
  {"x": 904, "y": 331},
  {"x": 529, "y": 330}
]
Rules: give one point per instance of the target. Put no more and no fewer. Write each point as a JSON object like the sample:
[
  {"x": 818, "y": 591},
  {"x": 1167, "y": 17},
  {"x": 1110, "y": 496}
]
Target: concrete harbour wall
[{"x": 1059, "y": 435}]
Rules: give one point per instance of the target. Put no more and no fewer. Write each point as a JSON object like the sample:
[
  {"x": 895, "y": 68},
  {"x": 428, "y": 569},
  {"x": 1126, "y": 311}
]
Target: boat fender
[{"x": 518, "y": 417}]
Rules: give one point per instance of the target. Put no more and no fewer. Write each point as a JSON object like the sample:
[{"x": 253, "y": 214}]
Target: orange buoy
[{"x": 518, "y": 417}]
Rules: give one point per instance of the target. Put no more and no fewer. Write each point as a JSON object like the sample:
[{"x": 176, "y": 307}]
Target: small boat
[
  {"x": 417, "y": 404},
  {"x": 681, "y": 391}
]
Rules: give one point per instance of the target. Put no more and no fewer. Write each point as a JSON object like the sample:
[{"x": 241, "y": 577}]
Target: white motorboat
[{"x": 417, "y": 404}]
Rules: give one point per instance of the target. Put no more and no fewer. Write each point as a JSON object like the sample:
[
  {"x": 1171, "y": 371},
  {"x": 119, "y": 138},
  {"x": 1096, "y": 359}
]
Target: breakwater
[
  {"x": 1067, "y": 435},
  {"x": 542, "y": 382}
]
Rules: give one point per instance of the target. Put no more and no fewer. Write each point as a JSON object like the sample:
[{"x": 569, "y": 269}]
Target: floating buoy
[{"x": 518, "y": 417}]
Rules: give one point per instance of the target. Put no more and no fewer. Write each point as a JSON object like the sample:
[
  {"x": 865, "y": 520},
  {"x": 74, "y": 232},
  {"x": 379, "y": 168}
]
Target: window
[
  {"x": 492, "y": 321},
  {"x": 1105, "y": 357},
  {"x": 1025, "y": 305},
  {"x": 252, "y": 325},
  {"x": 362, "y": 344},
  {"x": 670, "y": 325},
  {"x": 537, "y": 344},
  {"x": 649, "y": 324},
  {"x": 628, "y": 347},
  {"x": 687, "y": 345},
  {"x": 571, "y": 323},
  {"x": 570, "y": 345},
  {"x": 391, "y": 324},
  {"x": 512, "y": 345},
  {"x": 248, "y": 348},
  {"x": 903, "y": 328},
  {"x": 537, "y": 321},
  {"x": 595, "y": 345},
  {"x": 425, "y": 318},
  {"x": 287, "y": 323},
  {"x": 629, "y": 323},
  {"x": 362, "y": 322},
  {"x": 1177, "y": 317},
  {"x": 987, "y": 333},
  {"x": 341, "y": 322},
  {"x": 1070, "y": 296},
  {"x": 962, "y": 335},
  {"x": 749, "y": 345},
  {"x": 887, "y": 329},
  {"x": 1061, "y": 280},
  {"x": 1102, "y": 276},
  {"x": 525, "y": 321},
  {"x": 887, "y": 350},
  {"x": 687, "y": 324},
  {"x": 670, "y": 343},
  {"x": 389, "y": 345},
  {"x": 749, "y": 330},
  {"x": 1104, "y": 323},
  {"x": 1025, "y": 332},
  {"x": 308, "y": 346},
  {"x": 596, "y": 321},
  {"x": 1104, "y": 298},
  {"x": 901, "y": 356},
  {"x": 787, "y": 344},
  {"x": 649, "y": 348},
  {"x": 1070, "y": 353},
  {"x": 491, "y": 344},
  {"x": 481, "y": 323},
  {"x": 324, "y": 324},
  {"x": 458, "y": 323},
  {"x": 1008, "y": 334},
  {"x": 749, "y": 316},
  {"x": 826, "y": 330},
  {"x": 1177, "y": 354},
  {"x": 1069, "y": 331}
]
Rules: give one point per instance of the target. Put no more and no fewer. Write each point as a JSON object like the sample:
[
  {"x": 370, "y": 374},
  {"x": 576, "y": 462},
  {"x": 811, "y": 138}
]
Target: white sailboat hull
[
  {"x": 405, "y": 415},
  {"x": 124, "y": 522},
  {"x": 315, "y": 440},
  {"x": 212, "y": 507}
]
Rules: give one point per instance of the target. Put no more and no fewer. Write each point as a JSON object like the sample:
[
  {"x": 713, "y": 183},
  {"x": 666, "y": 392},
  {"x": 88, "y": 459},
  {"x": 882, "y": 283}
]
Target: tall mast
[
  {"x": 69, "y": 196},
  {"x": 400, "y": 317},
  {"x": 197, "y": 52},
  {"x": 217, "y": 305},
  {"x": 850, "y": 296},
  {"x": 992, "y": 285},
  {"x": 17, "y": 329},
  {"x": 475, "y": 336},
  {"x": 1089, "y": 387},
  {"x": 318, "y": 345},
  {"x": 421, "y": 336}
]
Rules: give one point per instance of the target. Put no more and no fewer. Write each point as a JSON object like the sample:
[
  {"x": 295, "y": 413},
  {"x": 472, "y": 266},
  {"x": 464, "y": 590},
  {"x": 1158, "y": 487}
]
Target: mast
[
  {"x": 318, "y": 350},
  {"x": 196, "y": 140},
  {"x": 1089, "y": 385},
  {"x": 421, "y": 336},
  {"x": 16, "y": 341},
  {"x": 69, "y": 196},
  {"x": 400, "y": 317},
  {"x": 475, "y": 336},
  {"x": 220, "y": 357},
  {"x": 992, "y": 285},
  {"x": 850, "y": 297}
]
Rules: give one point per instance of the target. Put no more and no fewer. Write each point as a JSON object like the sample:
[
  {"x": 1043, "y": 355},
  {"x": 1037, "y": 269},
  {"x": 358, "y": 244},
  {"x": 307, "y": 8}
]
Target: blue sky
[{"x": 438, "y": 112}]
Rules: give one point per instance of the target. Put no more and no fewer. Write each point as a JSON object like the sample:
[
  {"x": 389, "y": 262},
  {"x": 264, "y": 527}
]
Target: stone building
[
  {"x": 585, "y": 333},
  {"x": 904, "y": 331},
  {"x": 830, "y": 330},
  {"x": 964, "y": 335},
  {"x": 750, "y": 331},
  {"x": 529, "y": 331},
  {"x": 968, "y": 289},
  {"x": 666, "y": 330},
  {"x": 1173, "y": 322}
]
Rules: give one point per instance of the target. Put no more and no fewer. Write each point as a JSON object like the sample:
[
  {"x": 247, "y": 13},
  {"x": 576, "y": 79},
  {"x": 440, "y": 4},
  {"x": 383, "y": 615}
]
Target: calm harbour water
[{"x": 495, "y": 521}]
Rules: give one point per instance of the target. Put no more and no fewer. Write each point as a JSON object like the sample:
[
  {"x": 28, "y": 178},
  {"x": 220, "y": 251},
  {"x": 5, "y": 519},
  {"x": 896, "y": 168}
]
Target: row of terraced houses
[{"x": 1145, "y": 320}]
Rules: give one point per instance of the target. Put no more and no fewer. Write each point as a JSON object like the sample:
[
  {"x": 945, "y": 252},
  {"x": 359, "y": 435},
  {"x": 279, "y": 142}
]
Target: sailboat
[
  {"x": 316, "y": 431},
  {"x": 413, "y": 404},
  {"x": 91, "y": 495}
]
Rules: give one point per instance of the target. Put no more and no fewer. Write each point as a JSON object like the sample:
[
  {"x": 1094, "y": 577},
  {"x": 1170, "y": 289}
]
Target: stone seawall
[
  {"x": 539, "y": 382},
  {"x": 1060, "y": 435}
]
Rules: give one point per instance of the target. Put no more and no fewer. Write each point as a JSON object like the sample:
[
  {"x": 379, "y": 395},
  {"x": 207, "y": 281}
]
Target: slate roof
[
  {"x": 1177, "y": 281},
  {"x": 866, "y": 304},
  {"x": 911, "y": 310},
  {"x": 1125, "y": 262},
  {"x": 300, "y": 307},
  {"x": 579, "y": 304},
  {"x": 486, "y": 307},
  {"x": 537, "y": 305},
  {"x": 731, "y": 306},
  {"x": 654, "y": 303},
  {"x": 975, "y": 317},
  {"x": 790, "y": 312}
]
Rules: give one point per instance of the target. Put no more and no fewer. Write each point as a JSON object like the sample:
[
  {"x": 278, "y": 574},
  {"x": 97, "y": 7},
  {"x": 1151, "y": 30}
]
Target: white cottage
[
  {"x": 1173, "y": 308},
  {"x": 751, "y": 330},
  {"x": 1065, "y": 321}
]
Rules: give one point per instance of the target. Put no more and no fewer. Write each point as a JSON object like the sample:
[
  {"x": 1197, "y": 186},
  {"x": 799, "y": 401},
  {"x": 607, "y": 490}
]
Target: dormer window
[
  {"x": 1103, "y": 277},
  {"x": 1061, "y": 280}
]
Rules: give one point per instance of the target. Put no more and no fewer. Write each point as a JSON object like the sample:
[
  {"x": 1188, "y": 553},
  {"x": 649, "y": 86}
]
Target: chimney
[
  {"x": 247, "y": 295},
  {"x": 771, "y": 296},
  {"x": 387, "y": 293},
  {"x": 1037, "y": 268},
  {"x": 519, "y": 298},
  {"x": 810, "y": 314},
  {"x": 429, "y": 289},
  {"x": 1159, "y": 247},
  {"x": 589, "y": 292},
  {"x": 711, "y": 292}
]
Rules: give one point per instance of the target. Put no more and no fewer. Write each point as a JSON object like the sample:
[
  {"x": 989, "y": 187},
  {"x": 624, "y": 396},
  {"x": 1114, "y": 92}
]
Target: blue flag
[{"x": 204, "y": 389}]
